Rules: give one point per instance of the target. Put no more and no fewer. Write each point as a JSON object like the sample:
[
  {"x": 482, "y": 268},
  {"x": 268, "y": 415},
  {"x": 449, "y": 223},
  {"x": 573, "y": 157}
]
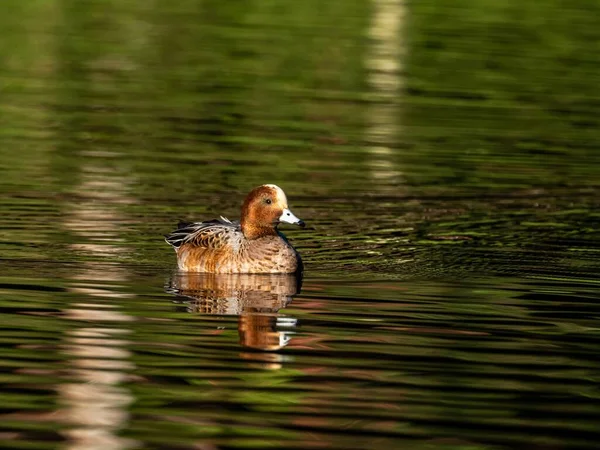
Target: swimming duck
[{"x": 251, "y": 245}]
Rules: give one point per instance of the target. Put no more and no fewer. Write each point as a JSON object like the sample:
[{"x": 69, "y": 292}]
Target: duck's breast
[{"x": 271, "y": 254}]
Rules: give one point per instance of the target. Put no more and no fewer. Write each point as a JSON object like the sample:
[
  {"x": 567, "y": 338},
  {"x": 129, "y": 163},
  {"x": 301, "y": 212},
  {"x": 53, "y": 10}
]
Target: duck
[{"x": 251, "y": 245}]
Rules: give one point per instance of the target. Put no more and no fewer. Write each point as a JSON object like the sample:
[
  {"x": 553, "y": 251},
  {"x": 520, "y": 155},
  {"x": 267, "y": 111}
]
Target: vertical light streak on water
[
  {"x": 95, "y": 406},
  {"x": 384, "y": 64},
  {"x": 95, "y": 403}
]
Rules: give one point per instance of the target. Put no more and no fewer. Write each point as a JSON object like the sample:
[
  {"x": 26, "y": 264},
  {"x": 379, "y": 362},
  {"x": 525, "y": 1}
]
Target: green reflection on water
[{"x": 119, "y": 117}]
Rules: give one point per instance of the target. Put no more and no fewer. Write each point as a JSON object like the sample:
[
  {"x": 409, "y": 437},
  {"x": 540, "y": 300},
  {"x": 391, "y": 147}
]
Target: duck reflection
[{"x": 255, "y": 298}]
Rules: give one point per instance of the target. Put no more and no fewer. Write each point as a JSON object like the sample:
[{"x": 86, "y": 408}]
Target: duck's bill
[{"x": 288, "y": 217}]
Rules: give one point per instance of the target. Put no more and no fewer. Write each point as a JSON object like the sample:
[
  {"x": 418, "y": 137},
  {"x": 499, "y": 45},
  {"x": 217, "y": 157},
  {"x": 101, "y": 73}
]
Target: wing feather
[{"x": 209, "y": 234}]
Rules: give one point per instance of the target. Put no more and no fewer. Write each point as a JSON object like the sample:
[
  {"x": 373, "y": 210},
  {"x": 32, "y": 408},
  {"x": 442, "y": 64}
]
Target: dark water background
[{"x": 444, "y": 154}]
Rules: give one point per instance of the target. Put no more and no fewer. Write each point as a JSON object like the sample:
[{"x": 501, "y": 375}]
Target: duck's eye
[{"x": 268, "y": 201}]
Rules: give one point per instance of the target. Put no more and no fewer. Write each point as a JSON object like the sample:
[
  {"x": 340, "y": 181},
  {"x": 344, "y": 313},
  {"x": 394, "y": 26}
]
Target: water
[{"x": 444, "y": 158}]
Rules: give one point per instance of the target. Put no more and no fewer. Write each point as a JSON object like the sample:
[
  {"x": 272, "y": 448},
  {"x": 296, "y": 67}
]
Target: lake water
[{"x": 444, "y": 157}]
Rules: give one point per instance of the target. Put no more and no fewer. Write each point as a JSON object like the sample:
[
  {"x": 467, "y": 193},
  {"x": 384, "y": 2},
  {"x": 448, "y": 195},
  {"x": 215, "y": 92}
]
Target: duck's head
[{"x": 266, "y": 207}]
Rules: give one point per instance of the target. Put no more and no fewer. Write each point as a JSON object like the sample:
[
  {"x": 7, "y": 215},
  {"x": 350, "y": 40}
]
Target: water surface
[{"x": 445, "y": 159}]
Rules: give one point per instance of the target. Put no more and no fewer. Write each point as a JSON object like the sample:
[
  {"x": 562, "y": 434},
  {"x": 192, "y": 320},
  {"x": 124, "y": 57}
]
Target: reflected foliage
[{"x": 443, "y": 154}]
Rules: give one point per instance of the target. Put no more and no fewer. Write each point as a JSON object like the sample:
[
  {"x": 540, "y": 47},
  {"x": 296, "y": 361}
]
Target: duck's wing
[{"x": 209, "y": 234}]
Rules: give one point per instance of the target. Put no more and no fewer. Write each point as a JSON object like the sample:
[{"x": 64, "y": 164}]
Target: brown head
[{"x": 264, "y": 208}]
